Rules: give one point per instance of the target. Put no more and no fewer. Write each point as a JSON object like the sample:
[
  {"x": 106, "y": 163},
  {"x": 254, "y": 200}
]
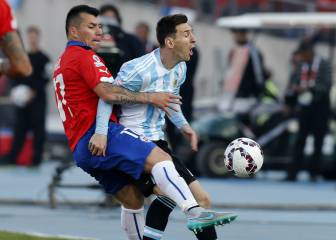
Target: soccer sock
[
  {"x": 132, "y": 221},
  {"x": 172, "y": 185},
  {"x": 157, "y": 220},
  {"x": 157, "y": 217},
  {"x": 208, "y": 233}
]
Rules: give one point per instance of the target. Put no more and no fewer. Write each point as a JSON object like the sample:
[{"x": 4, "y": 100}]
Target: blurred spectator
[
  {"x": 309, "y": 85},
  {"x": 187, "y": 93},
  {"x": 29, "y": 97},
  {"x": 326, "y": 5},
  {"x": 17, "y": 63},
  {"x": 246, "y": 75},
  {"x": 187, "y": 7},
  {"x": 142, "y": 31},
  {"x": 129, "y": 45},
  {"x": 229, "y": 7},
  {"x": 179, "y": 3}
]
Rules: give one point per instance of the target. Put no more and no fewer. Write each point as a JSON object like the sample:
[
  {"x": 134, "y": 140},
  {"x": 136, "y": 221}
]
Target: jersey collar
[
  {"x": 157, "y": 56},
  {"x": 77, "y": 43}
]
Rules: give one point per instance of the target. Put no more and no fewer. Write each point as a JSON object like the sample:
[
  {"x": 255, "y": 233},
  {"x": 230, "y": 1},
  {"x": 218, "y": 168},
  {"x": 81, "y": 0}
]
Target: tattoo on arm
[
  {"x": 124, "y": 96},
  {"x": 12, "y": 46}
]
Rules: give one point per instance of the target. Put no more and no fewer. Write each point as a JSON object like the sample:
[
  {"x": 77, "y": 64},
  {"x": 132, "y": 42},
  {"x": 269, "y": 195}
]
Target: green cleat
[{"x": 209, "y": 218}]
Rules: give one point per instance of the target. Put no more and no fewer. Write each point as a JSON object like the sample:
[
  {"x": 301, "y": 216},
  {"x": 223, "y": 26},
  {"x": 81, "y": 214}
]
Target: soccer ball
[{"x": 243, "y": 157}]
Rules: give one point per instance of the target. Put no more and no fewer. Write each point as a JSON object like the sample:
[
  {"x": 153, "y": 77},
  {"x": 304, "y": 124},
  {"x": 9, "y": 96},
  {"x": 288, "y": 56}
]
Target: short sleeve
[
  {"x": 7, "y": 19},
  {"x": 94, "y": 71},
  {"x": 128, "y": 77}
]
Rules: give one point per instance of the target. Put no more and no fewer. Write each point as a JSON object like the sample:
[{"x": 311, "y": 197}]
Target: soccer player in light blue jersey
[{"x": 162, "y": 70}]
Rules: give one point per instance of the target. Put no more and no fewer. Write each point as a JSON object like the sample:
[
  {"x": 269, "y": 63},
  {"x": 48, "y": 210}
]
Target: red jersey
[
  {"x": 77, "y": 72},
  {"x": 7, "y": 19}
]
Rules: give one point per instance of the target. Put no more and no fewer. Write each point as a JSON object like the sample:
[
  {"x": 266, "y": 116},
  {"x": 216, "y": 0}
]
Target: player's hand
[
  {"x": 164, "y": 100},
  {"x": 97, "y": 144},
  {"x": 191, "y": 136}
]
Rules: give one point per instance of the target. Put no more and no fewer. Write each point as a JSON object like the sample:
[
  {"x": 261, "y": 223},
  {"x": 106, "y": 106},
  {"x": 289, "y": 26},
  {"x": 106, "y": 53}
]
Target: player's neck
[{"x": 167, "y": 58}]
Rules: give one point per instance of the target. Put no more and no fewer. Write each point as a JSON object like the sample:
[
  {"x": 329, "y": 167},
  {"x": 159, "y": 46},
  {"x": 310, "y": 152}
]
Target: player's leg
[
  {"x": 157, "y": 217},
  {"x": 157, "y": 220},
  {"x": 114, "y": 182},
  {"x": 201, "y": 196},
  {"x": 160, "y": 165},
  {"x": 171, "y": 184},
  {"x": 131, "y": 154},
  {"x": 132, "y": 211},
  {"x": 134, "y": 155},
  {"x": 203, "y": 199},
  {"x": 160, "y": 209}
]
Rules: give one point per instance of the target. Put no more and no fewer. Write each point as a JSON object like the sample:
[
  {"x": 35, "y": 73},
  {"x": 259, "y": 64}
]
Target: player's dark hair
[
  {"x": 73, "y": 16},
  {"x": 167, "y": 26},
  {"x": 109, "y": 7}
]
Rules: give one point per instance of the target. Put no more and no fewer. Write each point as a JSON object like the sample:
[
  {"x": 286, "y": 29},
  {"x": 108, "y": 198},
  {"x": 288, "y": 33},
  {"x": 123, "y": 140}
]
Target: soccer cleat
[{"x": 209, "y": 218}]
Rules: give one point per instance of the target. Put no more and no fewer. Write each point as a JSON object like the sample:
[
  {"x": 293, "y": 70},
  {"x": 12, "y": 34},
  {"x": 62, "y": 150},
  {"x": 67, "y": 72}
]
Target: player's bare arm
[
  {"x": 18, "y": 64},
  {"x": 191, "y": 136},
  {"x": 118, "y": 95}
]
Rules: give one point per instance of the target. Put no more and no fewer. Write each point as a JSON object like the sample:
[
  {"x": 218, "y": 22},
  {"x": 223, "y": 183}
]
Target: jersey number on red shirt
[{"x": 60, "y": 93}]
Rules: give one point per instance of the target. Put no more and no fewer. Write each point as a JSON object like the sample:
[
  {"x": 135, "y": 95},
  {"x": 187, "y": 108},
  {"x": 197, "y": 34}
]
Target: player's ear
[
  {"x": 73, "y": 31},
  {"x": 169, "y": 42}
]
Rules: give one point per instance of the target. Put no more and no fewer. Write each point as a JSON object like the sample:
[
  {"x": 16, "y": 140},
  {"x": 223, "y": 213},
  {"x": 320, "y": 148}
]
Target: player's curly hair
[{"x": 167, "y": 26}]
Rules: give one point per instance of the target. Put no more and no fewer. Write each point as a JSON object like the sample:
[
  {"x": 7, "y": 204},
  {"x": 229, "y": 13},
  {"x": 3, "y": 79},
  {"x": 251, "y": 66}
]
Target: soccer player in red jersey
[
  {"x": 80, "y": 79},
  {"x": 18, "y": 63}
]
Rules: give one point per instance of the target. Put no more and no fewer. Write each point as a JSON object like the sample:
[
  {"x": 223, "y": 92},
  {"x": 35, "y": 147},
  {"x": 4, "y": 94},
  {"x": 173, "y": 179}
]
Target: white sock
[
  {"x": 172, "y": 185},
  {"x": 132, "y": 221}
]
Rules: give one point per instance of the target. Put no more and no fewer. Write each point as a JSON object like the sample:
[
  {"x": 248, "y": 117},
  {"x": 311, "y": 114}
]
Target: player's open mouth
[{"x": 191, "y": 51}]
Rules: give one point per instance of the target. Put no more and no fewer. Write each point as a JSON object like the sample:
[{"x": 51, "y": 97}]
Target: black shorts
[{"x": 146, "y": 183}]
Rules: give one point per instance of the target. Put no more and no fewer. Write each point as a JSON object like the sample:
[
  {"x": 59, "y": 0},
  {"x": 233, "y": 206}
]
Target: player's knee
[
  {"x": 204, "y": 200},
  {"x": 161, "y": 155},
  {"x": 133, "y": 203},
  {"x": 157, "y": 155},
  {"x": 130, "y": 197}
]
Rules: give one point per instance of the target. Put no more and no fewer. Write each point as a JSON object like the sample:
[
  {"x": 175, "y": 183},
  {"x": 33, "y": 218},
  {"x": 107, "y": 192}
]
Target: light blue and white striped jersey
[{"x": 148, "y": 74}]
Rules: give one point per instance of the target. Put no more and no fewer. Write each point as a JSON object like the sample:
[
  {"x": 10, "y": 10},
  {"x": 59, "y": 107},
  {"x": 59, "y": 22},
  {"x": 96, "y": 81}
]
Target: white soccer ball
[{"x": 243, "y": 157}]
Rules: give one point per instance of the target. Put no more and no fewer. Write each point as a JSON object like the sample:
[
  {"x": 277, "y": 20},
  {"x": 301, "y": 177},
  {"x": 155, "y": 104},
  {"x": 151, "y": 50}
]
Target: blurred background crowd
[{"x": 273, "y": 85}]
